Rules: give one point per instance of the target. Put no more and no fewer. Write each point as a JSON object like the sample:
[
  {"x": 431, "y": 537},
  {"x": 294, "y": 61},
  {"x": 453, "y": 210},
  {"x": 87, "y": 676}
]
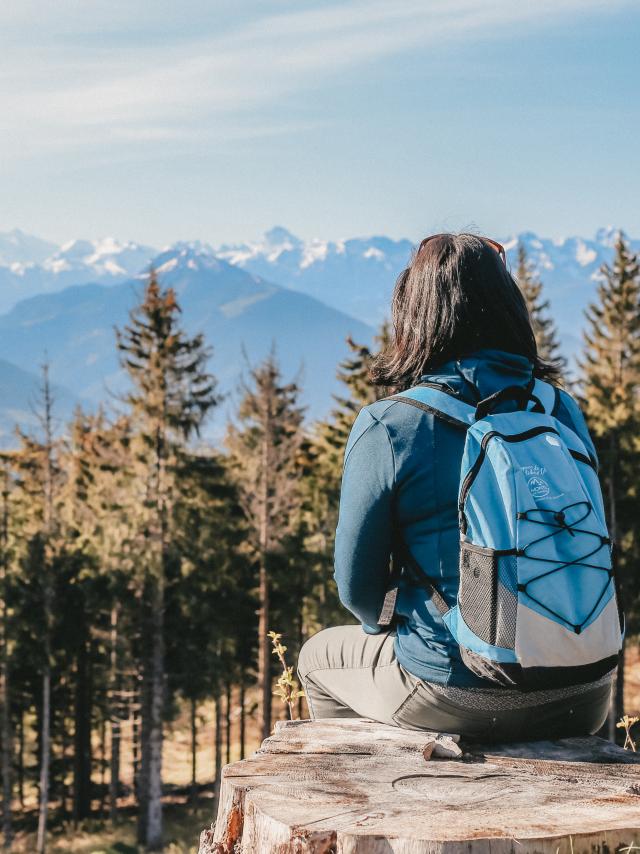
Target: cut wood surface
[{"x": 352, "y": 786}]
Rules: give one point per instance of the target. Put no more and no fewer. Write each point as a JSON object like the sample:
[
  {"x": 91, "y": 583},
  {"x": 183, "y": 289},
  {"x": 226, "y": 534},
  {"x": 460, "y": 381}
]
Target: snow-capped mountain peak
[
  {"x": 354, "y": 275},
  {"x": 357, "y": 275},
  {"x": 314, "y": 252},
  {"x": 29, "y": 265},
  {"x": 104, "y": 257},
  {"x": 273, "y": 244},
  {"x": 280, "y": 236},
  {"x": 18, "y": 249},
  {"x": 192, "y": 255}
]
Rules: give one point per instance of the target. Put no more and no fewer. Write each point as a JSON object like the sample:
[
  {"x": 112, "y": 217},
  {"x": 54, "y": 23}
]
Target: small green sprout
[{"x": 287, "y": 688}]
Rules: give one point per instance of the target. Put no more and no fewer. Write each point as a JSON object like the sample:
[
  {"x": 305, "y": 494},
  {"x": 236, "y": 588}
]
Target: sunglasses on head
[{"x": 499, "y": 248}]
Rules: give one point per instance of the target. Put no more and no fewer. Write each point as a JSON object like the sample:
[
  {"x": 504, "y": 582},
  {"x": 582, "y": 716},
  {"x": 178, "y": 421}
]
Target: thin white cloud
[{"x": 58, "y": 96}]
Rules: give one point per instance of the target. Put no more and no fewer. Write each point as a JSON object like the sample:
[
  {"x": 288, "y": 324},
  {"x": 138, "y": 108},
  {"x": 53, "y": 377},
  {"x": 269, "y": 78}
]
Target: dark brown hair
[{"x": 455, "y": 297}]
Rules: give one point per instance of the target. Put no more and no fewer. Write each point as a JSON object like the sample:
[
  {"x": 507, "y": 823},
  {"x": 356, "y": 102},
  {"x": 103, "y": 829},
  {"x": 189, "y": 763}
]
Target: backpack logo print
[{"x": 538, "y": 486}]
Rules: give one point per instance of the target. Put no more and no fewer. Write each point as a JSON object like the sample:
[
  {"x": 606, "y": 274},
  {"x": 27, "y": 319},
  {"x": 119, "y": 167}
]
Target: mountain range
[
  {"x": 241, "y": 315},
  {"x": 301, "y": 297},
  {"x": 30, "y": 265},
  {"x": 357, "y": 276}
]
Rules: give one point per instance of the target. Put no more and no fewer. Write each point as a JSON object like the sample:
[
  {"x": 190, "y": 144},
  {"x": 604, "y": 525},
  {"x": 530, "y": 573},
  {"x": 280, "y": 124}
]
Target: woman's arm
[{"x": 364, "y": 533}]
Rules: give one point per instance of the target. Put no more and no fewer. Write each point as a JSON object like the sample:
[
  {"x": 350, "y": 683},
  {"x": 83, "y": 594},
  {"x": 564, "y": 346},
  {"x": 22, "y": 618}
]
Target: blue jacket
[{"x": 401, "y": 475}]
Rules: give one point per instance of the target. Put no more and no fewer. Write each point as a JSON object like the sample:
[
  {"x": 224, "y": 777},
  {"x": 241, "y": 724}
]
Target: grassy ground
[
  {"x": 183, "y": 824},
  {"x": 183, "y": 820}
]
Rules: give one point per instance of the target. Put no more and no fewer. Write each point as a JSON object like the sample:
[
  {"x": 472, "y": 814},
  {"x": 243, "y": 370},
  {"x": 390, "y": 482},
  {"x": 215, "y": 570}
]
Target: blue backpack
[{"x": 537, "y": 603}]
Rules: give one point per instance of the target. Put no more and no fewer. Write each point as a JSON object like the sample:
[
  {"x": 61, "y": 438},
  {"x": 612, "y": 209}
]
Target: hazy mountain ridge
[
  {"x": 355, "y": 276},
  {"x": 241, "y": 316},
  {"x": 363, "y": 270},
  {"x": 303, "y": 296},
  {"x": 31, "y": 266},
  {"x": 18, "y": 248}
]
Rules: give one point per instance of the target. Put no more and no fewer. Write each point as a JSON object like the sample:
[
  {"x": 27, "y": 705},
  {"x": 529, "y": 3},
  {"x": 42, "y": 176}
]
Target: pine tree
[
  {"x": 97, "y": 511},
  {"x": 543, "y": 324},
  {"x": 611, "y": 391},
  {"x": 47, "y": 531},
  {"x": 6, "y": 733},
  {"x": 78, "y": 624},
  {"x": 171, "y": 393},
  {"x": 266, "y": 451},
  {"x": 353, "y": 372},
  {"x": 24, "y": 577},
  {"x": 212, "y": 604},
  {"x": 331, "y": 436},
  {"x": 45, "y": 459},
  {"x": 93, "y": 580},
  {"x": 324, "y": 453},
  {"x": 114, "y": 542},
  {"x": 37, "y": 483}
]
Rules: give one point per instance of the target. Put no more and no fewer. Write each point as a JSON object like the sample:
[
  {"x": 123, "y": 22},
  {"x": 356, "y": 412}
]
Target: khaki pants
[{"x": 348, "y": 673}]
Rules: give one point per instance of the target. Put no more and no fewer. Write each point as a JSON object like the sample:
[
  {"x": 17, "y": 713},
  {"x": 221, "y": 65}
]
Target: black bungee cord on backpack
[{"x": 559, "y": 523}]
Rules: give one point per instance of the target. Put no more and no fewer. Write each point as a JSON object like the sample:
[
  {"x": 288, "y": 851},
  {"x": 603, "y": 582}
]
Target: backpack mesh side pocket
[
  {"x": 506, "y": 602},
  {"x": 477, "y": 596}
]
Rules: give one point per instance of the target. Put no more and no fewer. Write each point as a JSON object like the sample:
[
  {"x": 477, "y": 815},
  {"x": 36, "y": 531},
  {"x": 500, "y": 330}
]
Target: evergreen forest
[{"x": 142, "y": 569}]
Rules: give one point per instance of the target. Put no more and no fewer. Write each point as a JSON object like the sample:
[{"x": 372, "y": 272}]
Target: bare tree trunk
[
  {"x": 65, "y": 740},
  {"x": 136, "y": 751},
  {"x": 46, "y": 419},
  {"x": 21, "y": 759},
  {"x": 227, "y": 722},
  {"x": 152, "y": 711},
  {"x": 5, "y": 693},
  {"x": 142, "y": 788},
  {"x": 114, "y": 770},
  {"x": 264, "y": 651},
  {"x": 243, "y": 717},
  {"x": 218, "y": 750},
  {"x": 114, "y": 720},
  {"x": 194, "y": 748},
  {"x": 82, "y": 736},
  {"x": 156, "y": 707},
  {"x": 7, "y": 748},
  {"x": 103, "y": 768},
  {"x": 264, "y": 647},
  {"x": 45, "y": 735}
]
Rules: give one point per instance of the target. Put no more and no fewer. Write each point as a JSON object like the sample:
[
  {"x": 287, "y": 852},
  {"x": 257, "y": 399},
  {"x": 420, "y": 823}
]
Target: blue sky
[{"x": 214, "y": 119}]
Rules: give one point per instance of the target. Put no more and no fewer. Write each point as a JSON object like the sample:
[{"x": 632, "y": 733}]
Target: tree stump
[{"x": 353, "y": 786}]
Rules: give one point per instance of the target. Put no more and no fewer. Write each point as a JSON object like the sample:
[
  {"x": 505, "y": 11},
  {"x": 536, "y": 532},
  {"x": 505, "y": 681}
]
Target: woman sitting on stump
[{"x": 476, "y": 482}]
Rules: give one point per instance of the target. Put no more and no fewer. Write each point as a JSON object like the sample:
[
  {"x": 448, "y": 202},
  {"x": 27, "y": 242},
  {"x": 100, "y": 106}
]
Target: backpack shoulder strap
[
  {"x": 547, "y": 395},
  {"x": 433, "y": 398},
  {"x": 403, "y": 564}
]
